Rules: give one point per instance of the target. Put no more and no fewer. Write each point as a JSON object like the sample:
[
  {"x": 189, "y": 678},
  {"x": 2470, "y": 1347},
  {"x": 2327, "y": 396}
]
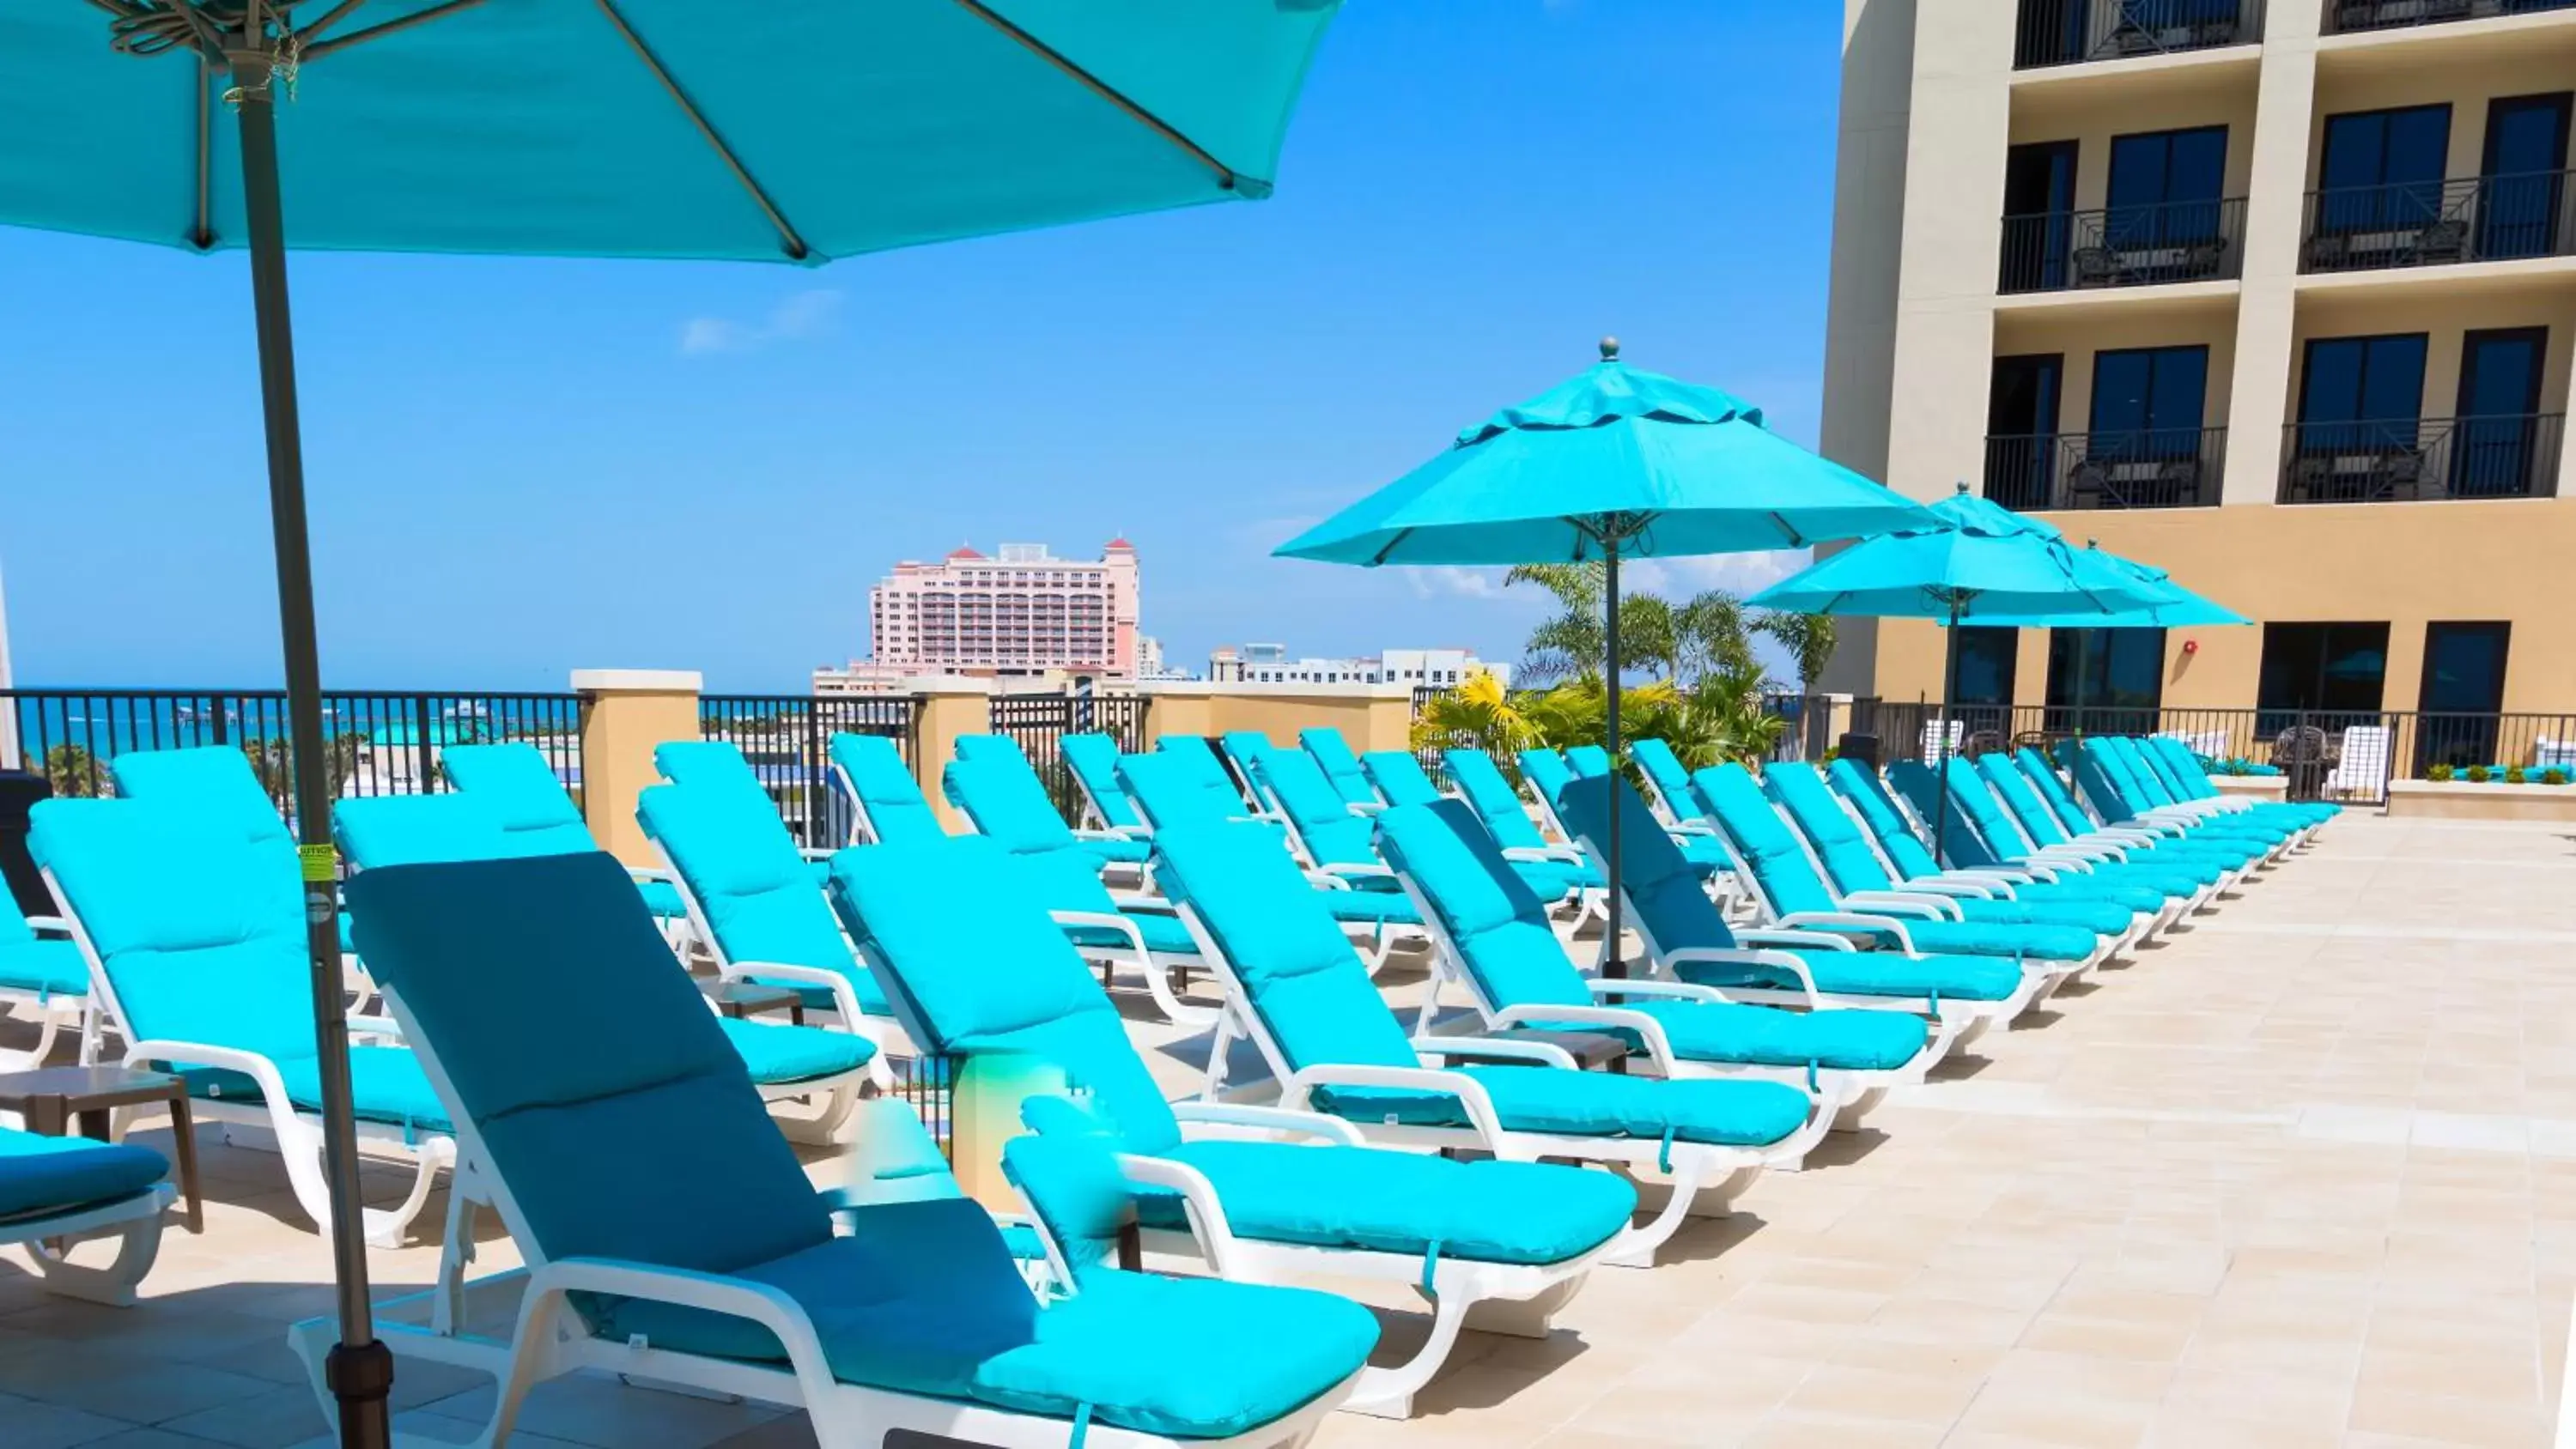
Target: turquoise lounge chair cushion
[
  {"x": 2098, "y": 915},
  {"x": 1480, "y": 781},
  {"x": 1331, "y": 833},
  {"x": 1340, "y": 765},
  {"x": 1495, "y": 922},
  {"x": 1094, "y": 761},
  {"x": 1002, "y": 795},
  {"x": 959, "y": 926},
  {"x": 48, "y": 968},
  {"x": 213, "y": 783},
  {"x": 1173, "y": 788},
  {"x": 1399, "y": 777},
  {"x": 50, "y": 1175},
  {"x": 1725, "y": 1031},
  {"x": 386, "y": 1085},
  {"x": 1591, "y": 762},
  {"x": 1402, "y": 1202},
  {"x": 515, "y": 781},
  {"x": 888, "y": 795},
  {"x": 1163, "y": 933},
  {"x": 756, "y": 889},
  {"x": 2002, "y": 938},
  {"x": 717, "y": 763},
  {"x": 663, "y": 899},
  {"x": 779, "y": 1053},
  {"x": 1665, "y": 771}
]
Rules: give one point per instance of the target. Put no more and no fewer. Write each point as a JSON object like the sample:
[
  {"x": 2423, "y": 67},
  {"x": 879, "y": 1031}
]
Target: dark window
[
  {"x": 2147, "y": 402},
  {"x": 2382, "y": 170},
  {"x": 2522, "y": 178},
  {"x": 2463, "y": 689},
  {"x": 1986, "y": 664},
  {"x": 2105, "y": 681},
  {"x": 2164, "y": 188},
  {"x": 2361, "y": 395},
  {"x": 2021, "y": 430},
  {"x": 2497, "y": 432},
  {"x": 2332, "y": 669}
]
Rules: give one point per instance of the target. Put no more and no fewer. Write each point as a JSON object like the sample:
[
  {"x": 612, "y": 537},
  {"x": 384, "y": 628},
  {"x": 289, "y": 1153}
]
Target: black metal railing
[
  {"x": 788, "y": 739},
  {"x": 2124, "y": 246},
  {"x": 2350, "y": 15},
  {"x": 2439, "y": 223},
  {"x": 2070, "y": 32},
  {"x": 2148, "y": 468},
  {"x": 2404, "y": 460},
  {"x": 381, "y": 743},
  {"x": 1037, "y": 722}
]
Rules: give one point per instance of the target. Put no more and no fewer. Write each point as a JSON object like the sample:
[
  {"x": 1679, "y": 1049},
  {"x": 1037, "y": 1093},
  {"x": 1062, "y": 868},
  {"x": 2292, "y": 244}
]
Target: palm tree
[
  {"x": 1573, "y": 644},
  {"x": 1809, "y": 638},
  {"x": 1711, "y": 636},
  {"x": 74, "y": 770}
]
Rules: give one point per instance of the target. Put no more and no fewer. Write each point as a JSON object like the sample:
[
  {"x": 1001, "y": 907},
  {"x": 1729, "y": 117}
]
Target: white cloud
[
  {"x": 1431, "y": 581},
  {"x": 1737, "y": 573},
  {"x": 800, "y": 315}
]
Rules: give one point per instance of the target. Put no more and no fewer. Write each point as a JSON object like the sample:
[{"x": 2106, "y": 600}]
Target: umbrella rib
[
  {"x": 1226, "y": 176},
  {"x": 796, "y": 248},
  {"x": 1796, "y": 539},
  {"x": 201, "y": 233},
  {"x": 331, "y": 17},
  {"x": 373, "y": 32}
]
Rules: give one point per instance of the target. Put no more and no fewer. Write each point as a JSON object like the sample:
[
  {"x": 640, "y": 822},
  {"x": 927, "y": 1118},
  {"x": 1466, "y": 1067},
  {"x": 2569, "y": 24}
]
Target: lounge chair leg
[
  {"x": 1635, "y": 1246},
  {"x": 823, "y": 1127},
  {"x": 1528, "y": 1317},
  {"x": 49, "y": 1024},
  {"x": 389, "y": 1227},
  {"x": 1387, "y": 1393},
  {"x": 1848, "y": 1117},
  {"x": 138, "y": 1243}
]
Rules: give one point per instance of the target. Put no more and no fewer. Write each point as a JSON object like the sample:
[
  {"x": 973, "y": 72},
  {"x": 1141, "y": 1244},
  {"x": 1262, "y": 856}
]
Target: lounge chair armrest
[
  {"x": 1690, "y": 827},
  {"x": 1471, "y": 1094},
  {"x": 1365, "y": 807},
  {"x": 1357, "y": 872},
  {"x": 1479, "y": 1048},
  {"x": 816, "y": 852},
  {"x": 379, "y": 1028},
  {"x": 1633, "y": 986},
  {"x": 1776, "y": 960},
  {"x": 1562, "y": 854},
  {"x": 760, "y": 1303},
  {"x": 845, "y": 996},
  {"x": 53, "y": 924},
  {"x": 1659, "y": 1047},
  {"x": 1859, "y": 921},
  {"x": 259, "y": 1069},
  {"x": 1101, "y": 835},
  {"x": 640, "y": 874},
  {"x": 1772, "y": 936},
  {"x": 2008, "y": 874},
  {"x": 1209, "y": 1226},
  {"x": 1975, "y": 890},
  {"x": 1272, "y": 1119},
  {"x": 1929, "y": 905},
  {"x": 1327, "y": 880},
  {"x": 1105, "y": 921}
]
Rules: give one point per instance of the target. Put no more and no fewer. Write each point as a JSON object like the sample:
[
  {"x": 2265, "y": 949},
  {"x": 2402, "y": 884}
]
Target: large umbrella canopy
[
  {"x": 2177, "y": 607},
  {"x": 1615, "y": 463},
  {"x": 648, "y": 128},
  {"x": 1663, "y": 466},
  {"x": 1978, "y": 562},
  {"x": 626, "y": 128}
]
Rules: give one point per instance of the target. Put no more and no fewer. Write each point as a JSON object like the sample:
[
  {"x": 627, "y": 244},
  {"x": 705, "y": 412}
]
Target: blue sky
[{"x": 519, "y": 468}]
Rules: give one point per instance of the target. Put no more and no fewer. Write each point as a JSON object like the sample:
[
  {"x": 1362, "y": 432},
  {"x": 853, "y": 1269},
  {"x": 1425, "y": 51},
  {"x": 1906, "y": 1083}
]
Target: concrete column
[
  {"x": 624, "y": 714},
  {"x": 1185, "y": 710},
  {"x": 1390, "y": 719},
  {"x": 2258, "y": 400},
  {"x": 949, "y": 707}
]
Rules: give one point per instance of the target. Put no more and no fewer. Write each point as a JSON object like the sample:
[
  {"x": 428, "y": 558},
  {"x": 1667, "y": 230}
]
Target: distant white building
[
  {"x": 1149, "y": 662},
  {"x": 1270, "y": 664}
]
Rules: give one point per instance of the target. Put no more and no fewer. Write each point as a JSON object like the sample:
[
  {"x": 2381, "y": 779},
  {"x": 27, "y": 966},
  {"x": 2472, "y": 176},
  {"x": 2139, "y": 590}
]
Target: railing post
[{"x": 625, "y": 713}]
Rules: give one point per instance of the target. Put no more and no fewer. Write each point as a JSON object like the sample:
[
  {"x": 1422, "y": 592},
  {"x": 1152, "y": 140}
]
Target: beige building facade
[{"x": 2277, "y": 296}]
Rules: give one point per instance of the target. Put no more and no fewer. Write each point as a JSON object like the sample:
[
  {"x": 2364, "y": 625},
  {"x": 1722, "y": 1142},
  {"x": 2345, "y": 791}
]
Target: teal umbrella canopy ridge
[
  {"x": 1979, "y": 563},
  {"x": 649, "y": 128},
  {"x": 1662, "y": 466},
  {"x": 2177, "y": 607}
]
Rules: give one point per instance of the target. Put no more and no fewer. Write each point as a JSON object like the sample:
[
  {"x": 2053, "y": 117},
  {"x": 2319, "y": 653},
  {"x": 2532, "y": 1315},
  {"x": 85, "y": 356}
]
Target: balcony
[
  {"x": 2153, "y": 468},
  {"x": 2346, "y": 16},
  {"x": 2124, "y": 246},
  {"x": 2072, "y": 32},
  {"x": 2407, "y": 460},
  {"x": 2439, "y": 223}
]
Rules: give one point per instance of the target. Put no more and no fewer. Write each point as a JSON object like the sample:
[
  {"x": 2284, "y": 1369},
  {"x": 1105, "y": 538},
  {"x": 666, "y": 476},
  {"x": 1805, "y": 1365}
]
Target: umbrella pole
[
  {"x": 1615, "y": 950},
  {"x": 359, "y": 1370},
  {"x": 1949, "y": 706}
]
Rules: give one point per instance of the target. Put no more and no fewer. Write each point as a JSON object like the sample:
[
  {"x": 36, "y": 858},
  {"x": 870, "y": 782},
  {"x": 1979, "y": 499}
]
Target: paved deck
[{"x": 2304, "y": 1176}]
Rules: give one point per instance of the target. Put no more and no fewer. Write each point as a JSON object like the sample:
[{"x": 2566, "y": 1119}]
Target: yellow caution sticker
[{"x": 321, "y": 862}]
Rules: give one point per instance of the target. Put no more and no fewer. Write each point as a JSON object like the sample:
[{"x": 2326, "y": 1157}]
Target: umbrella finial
[
  {"x": 1609, "y": 349},
  {"x": 1963, "y": 487}
]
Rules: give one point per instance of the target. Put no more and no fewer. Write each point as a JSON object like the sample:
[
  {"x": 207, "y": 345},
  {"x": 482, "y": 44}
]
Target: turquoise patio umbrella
[
  {"x": 1978, "y": 562},
  {"x": 2176, "y": 606},
  {"x": 724, "y": 129},
  {"x": 1614, "y": 463}
]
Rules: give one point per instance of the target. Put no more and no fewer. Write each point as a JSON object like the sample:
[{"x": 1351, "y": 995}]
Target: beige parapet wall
[
  {"x": 2467, "y": 800},
  {"x": 1370, "y": 716},
  {"x": 625, "y": 713}
]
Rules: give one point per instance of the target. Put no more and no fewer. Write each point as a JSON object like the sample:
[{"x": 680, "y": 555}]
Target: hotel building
[
  {"x": 2278, "y": 295},
  {"x": 1022, "y": 611}
]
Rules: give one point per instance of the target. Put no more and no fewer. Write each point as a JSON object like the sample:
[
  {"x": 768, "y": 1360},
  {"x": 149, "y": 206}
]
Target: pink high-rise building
[{"x": 1022, "y": 611}]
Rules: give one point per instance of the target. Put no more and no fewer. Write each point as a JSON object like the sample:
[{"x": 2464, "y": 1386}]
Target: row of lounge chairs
[{"x": 671, "y": 1235}]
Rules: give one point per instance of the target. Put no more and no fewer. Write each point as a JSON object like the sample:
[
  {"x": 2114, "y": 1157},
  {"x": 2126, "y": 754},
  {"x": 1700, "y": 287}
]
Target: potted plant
[{"x": 2439, "y": 774}]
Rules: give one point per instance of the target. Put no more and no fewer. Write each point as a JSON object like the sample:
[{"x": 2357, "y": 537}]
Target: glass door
[
  {"x": 2039, "y": 210},
  {"x": 2379, "y": 183},
  {"x": 2021, "y": 430},
  {"x": 2522, "y": 179},
  {"x": 2164, "y": 194},
  {"x": 2493, "y": 435},
  {"x": 2144, "y": 447},
  {"x": 2462, "y": 692},
  {"x": 2105, "y": 681},
  {"x": 2361, "y": 400}
]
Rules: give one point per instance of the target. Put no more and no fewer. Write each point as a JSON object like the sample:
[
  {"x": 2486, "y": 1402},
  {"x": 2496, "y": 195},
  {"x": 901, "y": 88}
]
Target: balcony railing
[
  {"x": 2400, "y": 460},
  {"x": 2349, "y": 15},
  {"x": 2124, "y": 246},
  {"x": 2070, "y": 32},
  {"x": 2439, "y": 223},
  {"x": 2153, "y": 468}
]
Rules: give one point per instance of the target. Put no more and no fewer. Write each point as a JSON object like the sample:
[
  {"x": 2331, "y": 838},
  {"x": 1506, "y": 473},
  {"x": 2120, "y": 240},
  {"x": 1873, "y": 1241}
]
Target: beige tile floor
[{"x": 2306, "y": 1175}]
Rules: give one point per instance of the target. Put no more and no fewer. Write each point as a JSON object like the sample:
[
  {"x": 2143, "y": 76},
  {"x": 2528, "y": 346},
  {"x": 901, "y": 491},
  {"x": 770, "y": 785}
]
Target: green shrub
[
  {"x": 2438, "y": 773},
  {"x": 2513, "y": 774},
  {"x": 2554, "y": 775},
  {"x": 2480, "y": 774}
]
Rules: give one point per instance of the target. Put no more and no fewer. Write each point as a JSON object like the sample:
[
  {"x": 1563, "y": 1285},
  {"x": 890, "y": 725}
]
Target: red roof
[
  {"x": 1122, "y": 543},
  {"x": 962, "y": 551}
]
